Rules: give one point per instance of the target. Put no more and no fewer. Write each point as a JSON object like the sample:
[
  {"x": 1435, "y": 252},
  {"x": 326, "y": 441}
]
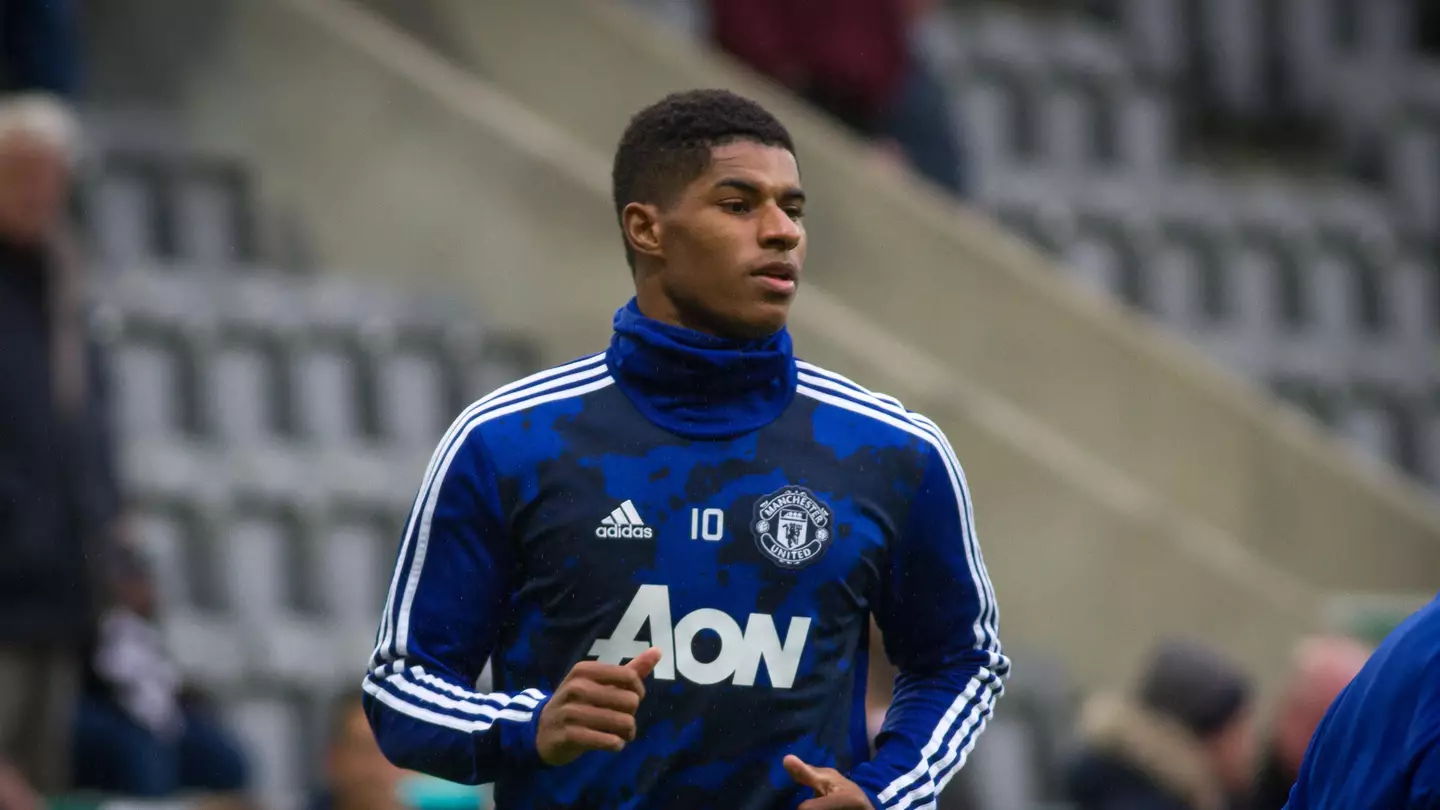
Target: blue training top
[
  {"x": 1379, "y": 744},
  {"x": 741, "y": 510}
]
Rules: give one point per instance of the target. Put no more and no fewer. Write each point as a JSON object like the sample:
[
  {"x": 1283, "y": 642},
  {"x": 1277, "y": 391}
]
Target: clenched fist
[{"x": 594, "y": 708}]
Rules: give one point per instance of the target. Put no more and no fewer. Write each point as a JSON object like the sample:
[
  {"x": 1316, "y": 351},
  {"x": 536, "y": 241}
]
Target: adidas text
[{"x": 642, "y": 532}]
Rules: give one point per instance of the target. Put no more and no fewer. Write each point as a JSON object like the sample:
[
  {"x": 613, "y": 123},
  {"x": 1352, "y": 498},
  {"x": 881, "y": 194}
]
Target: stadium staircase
[{"x": 1128, "y": 487}]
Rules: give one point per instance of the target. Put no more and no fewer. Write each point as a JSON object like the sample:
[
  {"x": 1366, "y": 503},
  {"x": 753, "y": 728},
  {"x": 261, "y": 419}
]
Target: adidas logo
[{"x": 624, "y": 522}]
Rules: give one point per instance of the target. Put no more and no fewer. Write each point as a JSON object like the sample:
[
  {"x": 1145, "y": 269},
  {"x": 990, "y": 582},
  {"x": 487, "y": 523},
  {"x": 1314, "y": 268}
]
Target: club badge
[{"x": 792, "y": 527}]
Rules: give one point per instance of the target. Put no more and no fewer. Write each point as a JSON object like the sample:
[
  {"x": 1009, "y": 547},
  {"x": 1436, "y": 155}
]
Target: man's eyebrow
[
  {"x": 792, "y": 193},
  {"x": 739, "y": 185}
]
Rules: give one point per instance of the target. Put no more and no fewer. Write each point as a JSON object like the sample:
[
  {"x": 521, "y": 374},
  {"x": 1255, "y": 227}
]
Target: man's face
[
  {"x": 34, "y": 180},
  {"x": 733, "y": 244},
  {"x": 360, "y": 775}
]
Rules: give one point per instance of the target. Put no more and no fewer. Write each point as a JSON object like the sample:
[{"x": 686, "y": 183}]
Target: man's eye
[
  {"x": 735, "y": 206},
  {"x": 795, "y": 212}
]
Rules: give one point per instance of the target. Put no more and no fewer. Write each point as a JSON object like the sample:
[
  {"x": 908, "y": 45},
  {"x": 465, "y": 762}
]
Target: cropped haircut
[{"x": 668, "y": 144}]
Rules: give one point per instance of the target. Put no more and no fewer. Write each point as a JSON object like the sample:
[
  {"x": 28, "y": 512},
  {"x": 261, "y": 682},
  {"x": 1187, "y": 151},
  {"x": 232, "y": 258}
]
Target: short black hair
[{"x": 667, "y": 144}]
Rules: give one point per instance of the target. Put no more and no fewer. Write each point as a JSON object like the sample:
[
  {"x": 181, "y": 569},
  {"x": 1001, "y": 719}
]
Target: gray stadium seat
[
  {"x": 1430, "y": 436},
  {"x": 1374, "y": 422},
  {"x": 328, "y": 385},
  {"x": 155, "y": 379},
  {"x": 414, "y": 392},
  {"x": 1245, "y": 339},
  {"x": 259, "y": 552},
  {"x": 1413, "y": 172},
  {"x": 1308, "y": 50},
  {"x": 1146, "y": 131},
  {"x": 248, "y": 373},
  {"x": 213, "y": 218},
  {"x": 1416, "y": 296},
  {"x": 357, "y": 555},
  {"x": 1155, "y": 30},
  {"x": 1107, "y": 255},
  {"x": 1075, "y": 45},
  {"x": 1080, "y": 124},
  {"x": 122, "y": 211},
  {"x": 1010, "y": 101},
  {"x": 1233, "y": 38},
  {"x": 205, "y": 214},
  {"x": 291, "y": 650},
  {"x": 271, "y": 726},
  {"x": 1001, "y": 34},
  {"x": 207, "y": 647},
  {"x": 165, "y": 537},
  {"x": 1193, "y": 285}
]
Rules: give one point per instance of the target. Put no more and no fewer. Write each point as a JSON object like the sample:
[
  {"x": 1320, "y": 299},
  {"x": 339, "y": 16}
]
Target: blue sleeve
[
  {"x": 447, "y": 600},
  {"x": 938, "y": 618},
  {"x": 1425, "y": 778}
]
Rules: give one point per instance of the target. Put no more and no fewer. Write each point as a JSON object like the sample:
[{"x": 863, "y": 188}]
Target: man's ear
[{"x": 641, "y": 225}]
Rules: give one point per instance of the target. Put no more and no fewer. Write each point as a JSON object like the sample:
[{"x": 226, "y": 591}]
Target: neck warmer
[{"x": 699, "y": 386}]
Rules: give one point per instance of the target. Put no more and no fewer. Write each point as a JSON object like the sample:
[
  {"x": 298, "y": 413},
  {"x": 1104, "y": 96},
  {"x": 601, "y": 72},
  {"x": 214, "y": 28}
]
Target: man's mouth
[{"x": 779, "y": 276}]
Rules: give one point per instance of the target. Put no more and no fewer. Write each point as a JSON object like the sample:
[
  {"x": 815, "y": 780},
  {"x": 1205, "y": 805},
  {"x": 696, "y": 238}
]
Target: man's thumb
[
  {"x": 644, "y": 663},
  {"x": 804, "y": 774}
]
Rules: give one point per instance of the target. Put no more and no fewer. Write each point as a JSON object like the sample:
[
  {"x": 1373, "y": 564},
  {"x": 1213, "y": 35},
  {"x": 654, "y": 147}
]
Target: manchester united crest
[{"x": 792, "y": 526}]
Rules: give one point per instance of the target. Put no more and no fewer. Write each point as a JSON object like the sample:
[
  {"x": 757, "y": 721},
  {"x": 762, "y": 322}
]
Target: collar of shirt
[{"x": 700, "y": 386}]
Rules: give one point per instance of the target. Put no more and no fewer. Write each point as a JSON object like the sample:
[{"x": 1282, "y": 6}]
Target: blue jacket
[
  {"x": 743, "y": 511},
  {"x": 1378, "y": 747}
]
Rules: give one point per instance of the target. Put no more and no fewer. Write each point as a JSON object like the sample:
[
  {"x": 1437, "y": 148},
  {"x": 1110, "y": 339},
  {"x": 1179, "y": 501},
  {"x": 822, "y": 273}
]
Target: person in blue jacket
[
  {"x": 671, "y": 550},
  {"x": 1378, "y": 747}
]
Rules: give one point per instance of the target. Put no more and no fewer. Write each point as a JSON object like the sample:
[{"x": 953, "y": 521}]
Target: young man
[
  {"x": 672, "y": 549},
  {"x": 1379, "y": 744}
]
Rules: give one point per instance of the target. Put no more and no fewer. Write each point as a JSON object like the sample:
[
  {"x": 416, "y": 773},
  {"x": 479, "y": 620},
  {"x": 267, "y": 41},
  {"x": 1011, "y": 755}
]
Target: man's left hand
[{"x": 832, "y": 790}]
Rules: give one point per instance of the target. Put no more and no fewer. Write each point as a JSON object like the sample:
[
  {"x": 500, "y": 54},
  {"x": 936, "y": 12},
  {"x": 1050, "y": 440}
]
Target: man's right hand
[{"x": 594, "y": 708}]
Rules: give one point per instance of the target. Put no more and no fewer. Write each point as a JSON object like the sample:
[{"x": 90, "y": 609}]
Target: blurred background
[{"x": 1164, "y": 270}]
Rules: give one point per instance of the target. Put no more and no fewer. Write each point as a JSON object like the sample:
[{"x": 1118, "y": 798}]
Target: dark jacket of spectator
[
  {"x": 1272, "y": 784},
  {"x": 1137, "y": 759},
  {"x": 1184, "y": 741},
  {"x": 58, "y": 497}
]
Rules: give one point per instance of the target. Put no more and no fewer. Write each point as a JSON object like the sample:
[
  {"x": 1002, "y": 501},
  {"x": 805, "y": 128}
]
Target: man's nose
[{"x": 778, "y": 230}]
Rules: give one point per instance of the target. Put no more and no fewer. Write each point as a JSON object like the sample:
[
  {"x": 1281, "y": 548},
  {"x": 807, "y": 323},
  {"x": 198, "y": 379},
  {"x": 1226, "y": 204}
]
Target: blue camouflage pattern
[{"x": 844, "y": 506}]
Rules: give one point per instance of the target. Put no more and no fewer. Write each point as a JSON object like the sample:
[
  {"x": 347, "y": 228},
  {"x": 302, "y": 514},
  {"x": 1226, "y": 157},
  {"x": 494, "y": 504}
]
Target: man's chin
[{"x": 764, "y": 319}]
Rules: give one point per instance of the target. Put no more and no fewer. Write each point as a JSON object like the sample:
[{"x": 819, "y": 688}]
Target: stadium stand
[{"x": 1127, "y": 489}]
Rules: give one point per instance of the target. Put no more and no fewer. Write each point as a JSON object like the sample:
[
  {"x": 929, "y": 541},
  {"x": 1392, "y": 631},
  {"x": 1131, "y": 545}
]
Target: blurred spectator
[
  {"x": 136, "y": 733},
  {"x": 1185, "y": 742},
  {"x": 853, "y": 59},
  {"x": 39, "y": 46},
  {"x": 357, "y": 774},
  {"x": 57, "y": 488},
  {"x": 15, "y": 792},
  {"x": 1321, "y": 669}
]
